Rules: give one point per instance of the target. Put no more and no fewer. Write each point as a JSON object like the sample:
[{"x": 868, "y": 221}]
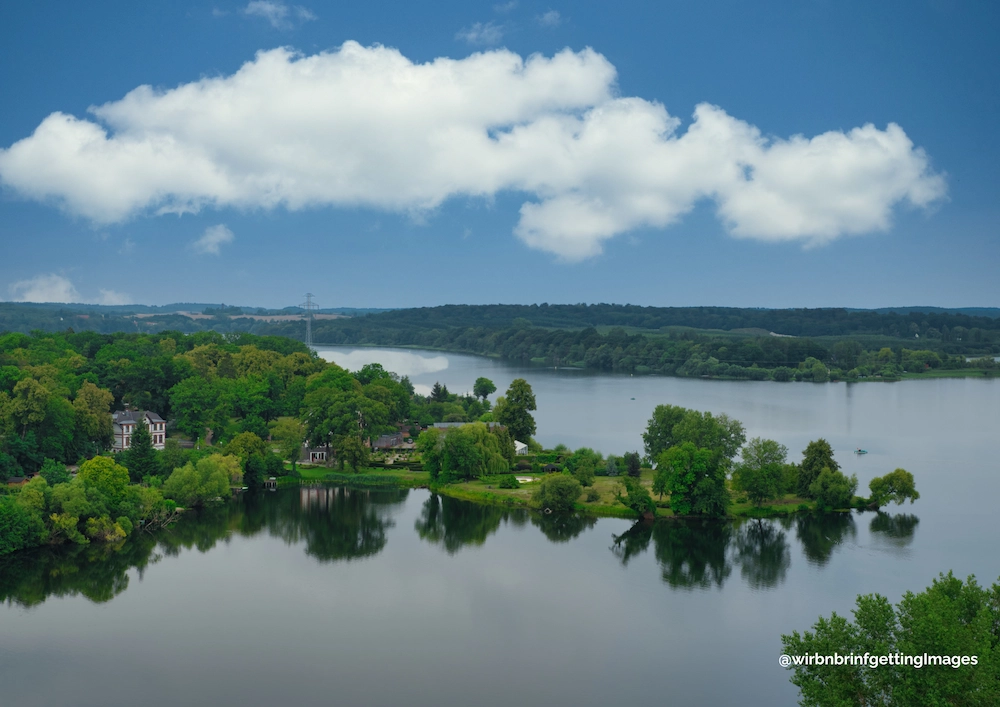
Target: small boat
[{"x": 860, "y": 451}]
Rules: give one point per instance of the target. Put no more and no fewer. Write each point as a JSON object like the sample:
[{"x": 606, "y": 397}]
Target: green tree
[
  {"x": 351, "y": 453},
  {"x": 245, "y": 445},
  {"x": 636, "y": 497},
  {"x": 696, "y": 480},
  {"x": 140, "y": 458},
  {"x": 557, "y": 492},
  {"x": 430, "y": 445},
  {"x": 633, "y": 465},
  {"x": 818, "y": 455},
  {"x": 483, "y": 388},
  {"x": 950, "y": 618},
  {"x": 760, "y": 472},
  {"x": 659, "y": 434},
  {"x": 515, "y": 414},
  {"x": 210, "y": 478},
  {"x": 54, "y": 472},
  {"x": 833, "y": 490},
  {"x": 93, "y": 419},
  {"x": 895, "y": 487},
  {"x": 107, "y": 477},
  {"x": 28, "y": 404},
  {"x": 290, "y": 434}
]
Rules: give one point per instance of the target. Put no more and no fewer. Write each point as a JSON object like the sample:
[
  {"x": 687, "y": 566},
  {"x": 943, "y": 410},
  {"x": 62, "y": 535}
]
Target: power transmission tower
[{"x": 309, "y": 307}]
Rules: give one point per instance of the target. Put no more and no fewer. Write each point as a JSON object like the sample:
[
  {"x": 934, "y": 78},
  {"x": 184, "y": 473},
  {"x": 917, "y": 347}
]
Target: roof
[
  {"x": 16, "y": 480},
  {"x": 133, "y": 416}
]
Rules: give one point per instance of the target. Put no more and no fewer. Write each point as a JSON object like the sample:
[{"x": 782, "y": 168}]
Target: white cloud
[
  {"x": 57, "y": 288},
  {"x": 213, "y": 239},
  {"x": 44, "y": 288},
  {"x": 505, "y": 7},
  {"x": 364, "y": 126},
  {"x": 278, "y": 14},
  {"x": 481, "y": 34},
  {"x": 550, "y": 19},
  {"x": 113, "y": 297}
]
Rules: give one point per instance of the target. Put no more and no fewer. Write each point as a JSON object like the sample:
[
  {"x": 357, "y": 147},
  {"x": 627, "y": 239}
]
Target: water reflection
[
  {"x": 334, "y": 524},
  {"x": 703, "y": 554},
  {"x": 561, "y": 527},
  {"x": 98, "y": 572},
  {"x": 762, "y": 553},
  {"x": 893, "y": 531},
  {"x": 820, "y": 534},
  {"x": 454, "y": 524}
]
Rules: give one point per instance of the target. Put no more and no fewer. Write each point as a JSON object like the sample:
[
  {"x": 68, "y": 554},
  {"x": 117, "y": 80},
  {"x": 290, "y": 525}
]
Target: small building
[
  {"x": 17, "y": 480},
  {"x": 124, "y": 422},
  {"x": 520, "y": 448},
  {"x": 389, "y": 441},
  {"x": 316, "y": 455},
  {"x": 549, "y": 468}
]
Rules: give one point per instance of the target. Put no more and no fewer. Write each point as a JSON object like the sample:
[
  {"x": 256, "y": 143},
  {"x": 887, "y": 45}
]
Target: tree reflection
[
  {"x": 632, "y": 542},
  {"x": 98, "y": 572},
  {"x": 894, "y": 530},
  {"x": 693, "y": 553},
  {"x": 762, "y": 553},
  {"x": 820, "y": 533},
  {"x": 454, "y": 524},
  {"x": 562, "y": 527},
  {"x": 334, "y": 524}
]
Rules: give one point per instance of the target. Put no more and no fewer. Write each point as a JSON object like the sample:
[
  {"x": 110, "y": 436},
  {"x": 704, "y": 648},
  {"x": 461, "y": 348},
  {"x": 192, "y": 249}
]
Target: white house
[
  {"x": 520, "y": 448},
  {"x": 125, "y": 422}
]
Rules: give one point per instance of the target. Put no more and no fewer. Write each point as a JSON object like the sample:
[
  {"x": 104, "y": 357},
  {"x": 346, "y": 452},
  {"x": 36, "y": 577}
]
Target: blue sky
[{"x": 772, "y": 154}]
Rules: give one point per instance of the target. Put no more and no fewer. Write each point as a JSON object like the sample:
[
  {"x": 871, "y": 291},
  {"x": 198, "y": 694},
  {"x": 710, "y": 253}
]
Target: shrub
[
  {"x": 508, "y": 481},
  {"x": 558, "y": 492},
  {"x": 593, "y": 495}
]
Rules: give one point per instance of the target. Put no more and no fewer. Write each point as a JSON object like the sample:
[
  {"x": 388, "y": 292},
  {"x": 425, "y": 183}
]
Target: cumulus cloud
[
  {"x": 57, "y": 288},
  {"x": 44, "y": 288},
  {"x": 550, "y": 19},
  {"x": 365, "y": 126},
  {"x": 481, "y": 33},
  {"x": 213, "y": 239},
  {"x": 278, "y": 14}
]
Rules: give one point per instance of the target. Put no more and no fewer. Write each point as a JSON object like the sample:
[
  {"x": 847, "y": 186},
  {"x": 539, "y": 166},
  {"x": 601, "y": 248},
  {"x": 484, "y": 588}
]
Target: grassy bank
[{"x": 604, "y": 503}]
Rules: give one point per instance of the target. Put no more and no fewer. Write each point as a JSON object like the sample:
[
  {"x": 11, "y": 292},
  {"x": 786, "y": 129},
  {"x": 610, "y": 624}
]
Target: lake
[{"x": 319, "y": 596}]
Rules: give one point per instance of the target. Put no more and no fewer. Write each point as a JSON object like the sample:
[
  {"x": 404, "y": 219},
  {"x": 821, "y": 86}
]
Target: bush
[
  {"x": 833, "y": 490},
  {"x": 508, "y": 481},
  {"x": 558, "y": 492},
  {"x": 593, "y": 495}
]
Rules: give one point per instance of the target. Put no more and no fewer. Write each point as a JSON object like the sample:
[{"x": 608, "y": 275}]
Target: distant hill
[{"x": 959, "y": 327}]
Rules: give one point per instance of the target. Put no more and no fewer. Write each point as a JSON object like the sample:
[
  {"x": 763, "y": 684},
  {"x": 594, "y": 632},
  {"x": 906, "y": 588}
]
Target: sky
[{"x": 801, "y": 153}]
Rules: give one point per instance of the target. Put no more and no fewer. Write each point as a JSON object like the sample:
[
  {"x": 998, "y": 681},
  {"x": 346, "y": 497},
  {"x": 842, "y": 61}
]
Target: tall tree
[
  {"x": 140, "y": 458},
  {"x": 696, "y": 480},
  {"x": 818, "y": 455},
  {"x": 93, "y": 419},
  {"x": 515, "y": 414},
  {"x": 759, "y": 473},
  {"x": 290, "y": 435},
  {"x": 659, "y": 434},
  {"x": 483, "y": 388}
]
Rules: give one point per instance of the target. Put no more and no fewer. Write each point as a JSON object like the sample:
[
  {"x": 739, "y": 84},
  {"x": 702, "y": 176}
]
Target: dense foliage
[{"x": 950, "y": 619}]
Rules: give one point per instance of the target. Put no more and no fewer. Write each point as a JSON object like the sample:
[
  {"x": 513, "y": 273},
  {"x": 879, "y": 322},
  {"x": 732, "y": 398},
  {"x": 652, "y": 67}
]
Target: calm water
[{"x": 320, "y": 596}]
